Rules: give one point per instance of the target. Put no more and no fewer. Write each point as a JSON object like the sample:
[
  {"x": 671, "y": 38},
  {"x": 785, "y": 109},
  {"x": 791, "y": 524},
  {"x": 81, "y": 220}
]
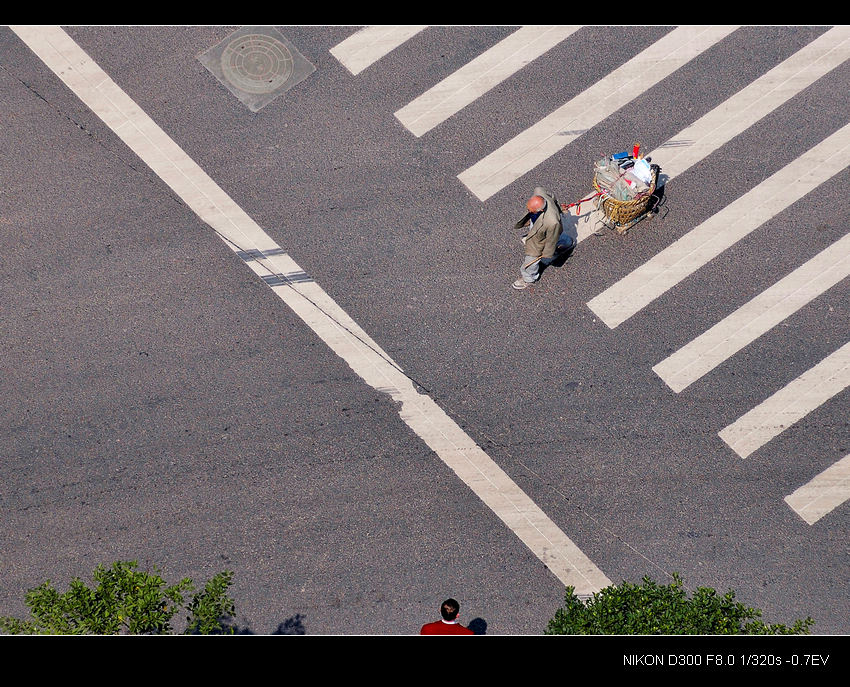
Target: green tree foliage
[
  {"x": 124, "y": 600},
  {"x": 652, "y": 609},
  {"x": 211, "y": 607}
]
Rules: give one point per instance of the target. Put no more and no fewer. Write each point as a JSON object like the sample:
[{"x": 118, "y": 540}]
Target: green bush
[
  {"x": 652, "y": 609},
  {"x": 211, "y": 608},
  {"x": 125, "y": 601}
]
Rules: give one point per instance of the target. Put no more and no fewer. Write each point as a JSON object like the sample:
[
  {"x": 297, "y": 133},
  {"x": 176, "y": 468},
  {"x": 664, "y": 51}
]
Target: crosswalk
[
  {"x": 705, "y": 242},
  {"x": 554, "y": 132},
  {"x": 754, "y": 102},
  {"x": 762, "y": 313},
  {"x": 663, "y": 273},
  {"x": 479, "y": 76}
]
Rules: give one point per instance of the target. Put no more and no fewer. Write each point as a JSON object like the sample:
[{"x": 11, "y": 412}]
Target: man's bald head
[{"x": 536, "y": 203}]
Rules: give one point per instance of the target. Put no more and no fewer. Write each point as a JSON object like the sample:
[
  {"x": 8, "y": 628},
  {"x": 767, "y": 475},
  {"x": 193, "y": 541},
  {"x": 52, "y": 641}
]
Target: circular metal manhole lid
[{"x": 256, "y": 63}]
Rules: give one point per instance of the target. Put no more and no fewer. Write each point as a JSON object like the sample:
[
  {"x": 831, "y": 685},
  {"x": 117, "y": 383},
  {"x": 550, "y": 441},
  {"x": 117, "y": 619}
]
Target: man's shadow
[{"x": 569, "y": 233}]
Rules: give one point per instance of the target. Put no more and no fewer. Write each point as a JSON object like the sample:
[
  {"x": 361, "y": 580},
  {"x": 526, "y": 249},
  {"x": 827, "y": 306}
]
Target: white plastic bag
[{"x": 642, "y": 171}]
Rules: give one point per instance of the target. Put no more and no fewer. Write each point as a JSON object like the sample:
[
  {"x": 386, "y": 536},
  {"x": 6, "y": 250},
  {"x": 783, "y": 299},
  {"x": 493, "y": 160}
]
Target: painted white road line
[
  {"x": 790, "y": 404},
  {"x": 753, "y": 319},
  {"x": 823, "y": 494},
  {"x": 551, "y": 134},
  {"x": 370, "y": 44},
  {"x": 708, "y": 240},
  {"x": 753, "y": 102},
  {"x": 313, "y": 305},
  {"x": 476, "y": 78}
]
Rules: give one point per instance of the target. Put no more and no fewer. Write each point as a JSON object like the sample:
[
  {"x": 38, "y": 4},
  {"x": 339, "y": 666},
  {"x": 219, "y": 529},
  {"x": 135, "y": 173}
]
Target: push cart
[{"x": 622, "y": 215}]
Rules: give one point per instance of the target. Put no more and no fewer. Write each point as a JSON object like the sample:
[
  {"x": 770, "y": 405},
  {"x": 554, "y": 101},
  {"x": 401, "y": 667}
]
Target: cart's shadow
[{"x": 658, "y": 195}]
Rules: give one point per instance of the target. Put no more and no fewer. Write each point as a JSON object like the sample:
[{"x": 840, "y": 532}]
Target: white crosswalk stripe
[
  {"x": 538, "y": 143},
  {"x": 758, "y": 316},
  {"x": 370, "y": 44},
  {"x": 479, "y": 76},
  {"x": 790, "y": 404},
  {"x": 824, "y": 493},
  {"x": 700, "y": 245}
]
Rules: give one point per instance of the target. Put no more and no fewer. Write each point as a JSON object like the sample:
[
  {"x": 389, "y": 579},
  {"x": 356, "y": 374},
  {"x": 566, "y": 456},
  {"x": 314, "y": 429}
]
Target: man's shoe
[{"x": 521, "y": 284}]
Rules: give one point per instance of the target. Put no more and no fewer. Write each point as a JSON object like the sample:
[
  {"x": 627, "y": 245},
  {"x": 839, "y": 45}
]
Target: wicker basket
[{"x": 624, "y": 213}]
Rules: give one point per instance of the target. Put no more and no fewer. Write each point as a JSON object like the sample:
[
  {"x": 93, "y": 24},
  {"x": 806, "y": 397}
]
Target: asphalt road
[{"x": 162, "y": 404}]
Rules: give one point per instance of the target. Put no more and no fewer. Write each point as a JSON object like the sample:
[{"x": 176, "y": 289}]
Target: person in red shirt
[{"x": 449, "y": 624}]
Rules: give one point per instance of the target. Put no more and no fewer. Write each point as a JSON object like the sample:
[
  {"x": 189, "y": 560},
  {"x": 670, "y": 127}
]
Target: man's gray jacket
[{"x": 543, "y": 235}]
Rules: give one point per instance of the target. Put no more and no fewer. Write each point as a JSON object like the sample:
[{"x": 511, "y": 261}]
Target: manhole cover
[{"x": 257, "y": 64}]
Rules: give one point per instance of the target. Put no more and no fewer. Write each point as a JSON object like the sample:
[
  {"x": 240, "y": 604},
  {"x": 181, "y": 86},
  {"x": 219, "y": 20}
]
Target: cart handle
[{"x": 565, "y": 207}]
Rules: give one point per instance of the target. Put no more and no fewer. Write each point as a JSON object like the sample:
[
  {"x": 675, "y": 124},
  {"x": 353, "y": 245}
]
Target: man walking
[
  {"x": 449, "y": 624},
  {"x": 545, "y": 236}
]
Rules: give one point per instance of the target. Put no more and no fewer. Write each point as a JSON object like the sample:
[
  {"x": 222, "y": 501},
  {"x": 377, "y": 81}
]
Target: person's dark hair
[{"x": 449, "y": 609}]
